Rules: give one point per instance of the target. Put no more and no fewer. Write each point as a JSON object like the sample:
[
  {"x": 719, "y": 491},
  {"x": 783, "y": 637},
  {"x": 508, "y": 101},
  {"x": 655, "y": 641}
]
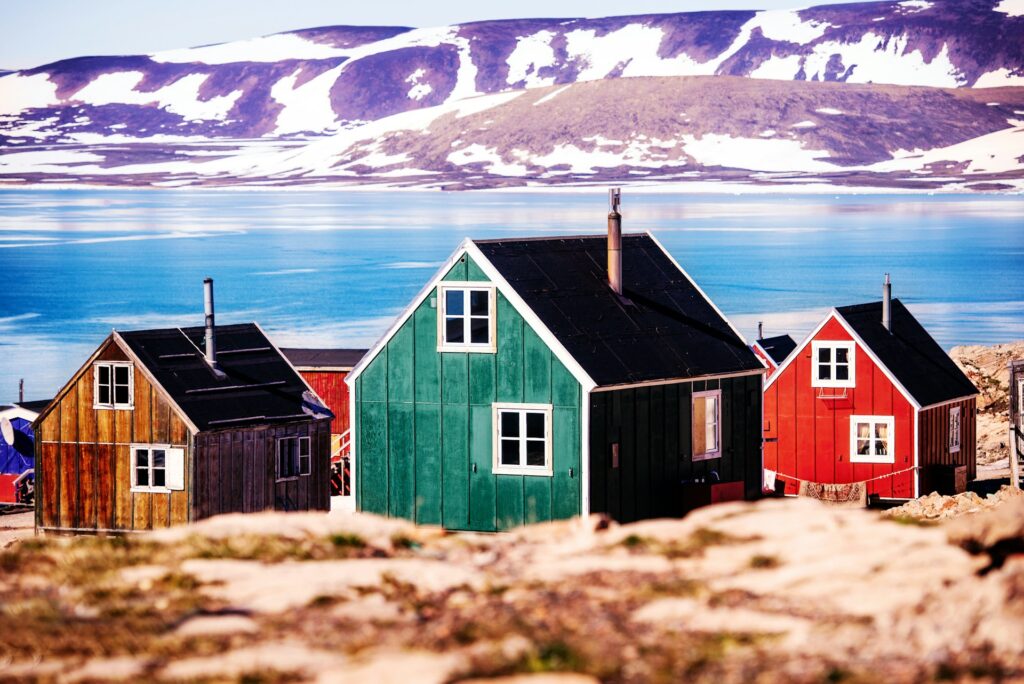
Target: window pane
[
  {"x": 159, "y": 458},
  {"x": 479, "y": 330},
  {"x": 824, "y": 355},
  {"x": 535, "y": 453},
  {"x": 304, "y": 446},
  {"x": 882, "y": 430},
  {"x": 509, "y": 424},
  {"x": 103, "y": 394},
  {"x": 121, "y": 375},
  {"x": 103, "y": 372},
  {"x": 824, "y": 372},
  {"x": 842, "y": 355},
  {"x": 142, "y": 477},
  {"x": 863, "y": 446},
  {"x": 454, "y": 304},
  {"x": 478, "y": 303},
  {"x": 453, "y": 330},
  {"x": 121, "y": 394},
  {"x": 842, "y": 372},
  {"x": 304, "y": 464},
  {"x": 863, "y": 430},
  {"x": 535, "y": 425},
  {"x": 510, "y": 452},
  {"x": 142, "y": 457},
  {"x": 881, "y": 448},
  {"x": 158, "y": 477}
]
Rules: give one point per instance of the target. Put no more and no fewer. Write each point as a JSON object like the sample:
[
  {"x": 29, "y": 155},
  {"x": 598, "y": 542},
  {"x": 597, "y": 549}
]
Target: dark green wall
[
  {"x": 652, "y": 427},
  {"x": 423, "y": 421}
]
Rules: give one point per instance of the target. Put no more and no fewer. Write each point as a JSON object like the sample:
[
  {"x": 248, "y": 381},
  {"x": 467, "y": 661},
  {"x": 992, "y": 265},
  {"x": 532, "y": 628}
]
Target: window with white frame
[
  {"x": 522, "y": 439},
  {"x": 113, "y": 385},
  {"x": 954, "y": 429},
  {"x": 465, "y": 317},
  {"x": 293, "y": 457},
  {"x": 871, "y": 439},
  {"x": 157, "y": 468},
  {"x": 706, "y": 425},
  {"x": 832, "y": 364},
  {"x": 1020, "y": 400}
]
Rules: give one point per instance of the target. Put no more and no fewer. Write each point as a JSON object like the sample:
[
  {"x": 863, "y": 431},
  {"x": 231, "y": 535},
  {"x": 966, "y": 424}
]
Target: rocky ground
[
  {"x": 781, "y": 590},
  {"x": 935, "y": 506},
  {"x": 987, "y": 367}
]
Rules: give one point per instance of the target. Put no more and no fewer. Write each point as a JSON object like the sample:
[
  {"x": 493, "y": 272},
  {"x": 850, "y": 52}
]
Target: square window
[
  {"x": 522, "y": 439},
  {"x": 158, "y": 469},
  {"x": 833, "y": 364},
  {"x": 871, "y": 439},
  {"x": 294, "y": 458},
  {"x": 466, "y": 318},
  {"x": 113, "y": 385}
]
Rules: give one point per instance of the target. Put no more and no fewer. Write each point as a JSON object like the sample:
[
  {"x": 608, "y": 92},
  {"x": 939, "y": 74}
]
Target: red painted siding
[
  {"x": 766, "y": 360},
  {"x": 331, "y": 387},
  {"x": 809, "y": 437}
]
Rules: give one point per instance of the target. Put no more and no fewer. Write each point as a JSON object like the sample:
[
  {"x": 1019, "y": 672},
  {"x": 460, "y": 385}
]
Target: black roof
[
  {"x": 36, "y": 405},
  {"x": 909, "y": 352},
  {"x": 324, "y": 358},
  {"x": 778, "y": 347},
  {"x": 661, "y": 328},
  {"x": 260, "y": 386}
]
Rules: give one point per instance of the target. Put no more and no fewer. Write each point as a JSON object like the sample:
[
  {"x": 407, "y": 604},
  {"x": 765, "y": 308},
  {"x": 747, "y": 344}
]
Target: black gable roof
[
  {"x": 778, "y": 347},
  {"x": 260, "y": 386},
  {"x": 662, "y": 328},
  {"x": 324, "y": 358},
  {"x": 909, "y": 352}
]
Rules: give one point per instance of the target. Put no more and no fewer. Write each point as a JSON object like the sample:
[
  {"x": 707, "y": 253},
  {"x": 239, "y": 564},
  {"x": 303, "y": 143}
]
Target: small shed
[
  {"x": 17, "y": 459},
  {"x": 161, "y": 427},
  {"x": 535, "y": 379},
  {"x": 869, "y": 396},
  {"x": 325, "y": 370},
  {"x": 772, "y": 351}
]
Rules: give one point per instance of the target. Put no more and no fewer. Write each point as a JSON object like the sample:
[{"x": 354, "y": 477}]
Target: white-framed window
[
  {"x": 293, "y": 457},
  {"x": 954, "y": 429},
  {"x": 157, "y": 468},
  {"x": 832, "y": 364},
  {"x": 465, "y": 317},
  {"x": 1020, "y": 399},
  {"x": 706, "y": 425},
  {"x": 113, "y": 385},
  {"x": 522, "y": 439},
  {"x": 872, "y": 439}
]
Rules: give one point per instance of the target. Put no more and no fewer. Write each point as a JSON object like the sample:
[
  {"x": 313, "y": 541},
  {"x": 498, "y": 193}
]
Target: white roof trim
[
  {"x": 18, "y": 412},
  {"x": 292, "y": 366},
  {"x": 860, "y": 343},
  {"x": 406, "y": 314},
  {"x": 764, "y": 357},
  {"x": 697, "y": 287}
]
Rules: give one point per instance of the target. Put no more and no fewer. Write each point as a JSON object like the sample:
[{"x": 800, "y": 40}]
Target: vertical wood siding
[
  {"x": 236, "y": 471},
  {"x": 933, "y": 433},
  {"x": 331, "y": 387},
  {"x": 809, "y": 438},
  {"x": 84, "y": 457},
  {"x": 424, "y": 432},
  {"x": 653, "y": 428}
]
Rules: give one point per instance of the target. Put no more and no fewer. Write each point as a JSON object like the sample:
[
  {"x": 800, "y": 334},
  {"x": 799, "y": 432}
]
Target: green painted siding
[
  {"x": 424, "y": 433},
  {"x": 652, "y": 427}
]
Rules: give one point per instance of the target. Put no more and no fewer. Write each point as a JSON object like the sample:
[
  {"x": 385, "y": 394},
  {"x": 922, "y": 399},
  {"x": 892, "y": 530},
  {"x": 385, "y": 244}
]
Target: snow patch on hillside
[
  {"x": 180, "y": 97},
  {"x": 992, "y": 153},
  {"x": 307, "y": 108},
  {"x": 999, "y": 78},
  {"x": 274, "y": 48},
  {"x": 756, "y": 154},
  {"x": 788, "y": 26},
  {"x": 18, "y": 93},
  {"x": 915, "y": 6},
  {"x": 419, "y": 90},
  {"x": 778, "y": 68},
  {"x": 530, "y": 55},
  {"x": 882, "y": 59},
  {"x": 1014, "y": 8}
]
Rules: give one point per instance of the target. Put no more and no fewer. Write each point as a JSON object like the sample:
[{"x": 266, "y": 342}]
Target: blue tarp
[{"x": 17, "y": 458}]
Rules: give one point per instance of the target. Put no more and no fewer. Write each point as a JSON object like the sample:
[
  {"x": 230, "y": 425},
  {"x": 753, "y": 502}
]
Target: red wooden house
[
  {"x": 325, "y": 371},
  {"x": 870, "y": 396},
  {"x": 772, "y": 351}
]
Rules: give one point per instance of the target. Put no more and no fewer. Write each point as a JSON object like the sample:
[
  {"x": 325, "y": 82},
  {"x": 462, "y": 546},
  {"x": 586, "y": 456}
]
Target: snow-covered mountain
[{"x": 847, "y": 92}]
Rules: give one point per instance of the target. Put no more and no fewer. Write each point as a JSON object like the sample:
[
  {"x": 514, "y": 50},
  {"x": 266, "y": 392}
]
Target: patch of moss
[{"x": 763, "y": 562}]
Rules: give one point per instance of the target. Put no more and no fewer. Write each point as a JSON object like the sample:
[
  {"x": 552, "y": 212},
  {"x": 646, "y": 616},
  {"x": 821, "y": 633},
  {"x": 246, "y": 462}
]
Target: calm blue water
[{"x": 333, "y": 268}]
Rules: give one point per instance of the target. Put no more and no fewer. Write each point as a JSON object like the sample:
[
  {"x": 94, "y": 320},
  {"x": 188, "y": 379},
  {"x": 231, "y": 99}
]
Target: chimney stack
[
  {"x": 614, "y": 241},
  {"x": 887, "y": 304},
  {"x": 21, "y": 391},
  {"x": 760, "y": 331},
  {"x": 211, "y": 337}
]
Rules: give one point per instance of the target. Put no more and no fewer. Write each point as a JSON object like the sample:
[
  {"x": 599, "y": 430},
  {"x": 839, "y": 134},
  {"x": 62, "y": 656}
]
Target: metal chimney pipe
[
  {"x": 211, "y": 337},
  {"x": 614, "y": 241},
  {"x": 887, "y": 303},
  {"x": 760, "y": 331},
  {"x": 21, "y": 390}
]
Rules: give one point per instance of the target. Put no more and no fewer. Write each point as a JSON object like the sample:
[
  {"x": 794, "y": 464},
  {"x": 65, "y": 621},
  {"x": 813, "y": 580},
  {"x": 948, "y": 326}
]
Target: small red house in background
[
  {"x": 772, "y": 351},
  {"x": 870, "y": 394},
  {"x": 325, "y": 370}
]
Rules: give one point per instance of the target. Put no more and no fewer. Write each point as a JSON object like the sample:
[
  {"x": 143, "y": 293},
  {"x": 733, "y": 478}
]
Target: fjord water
[{"x": 333, "y": 268}]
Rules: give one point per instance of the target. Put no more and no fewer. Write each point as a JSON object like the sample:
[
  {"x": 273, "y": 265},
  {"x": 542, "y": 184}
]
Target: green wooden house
[{"x": 521, "y": 385}]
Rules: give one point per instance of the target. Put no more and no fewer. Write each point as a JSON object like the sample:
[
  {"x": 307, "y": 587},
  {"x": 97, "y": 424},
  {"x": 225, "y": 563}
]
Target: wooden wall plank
[
  {"x": 427, "y": 367},
  {"x": 373, "y": 464},
  {"x": 69, "y": 512},
  {"x": 123, "y": 514},
  {"x": 566, "y": 481},
  {"x": 401, "y": 461},
  {"x": 537, "y": 368},
  {"x": 482, "y": 502},
  {"x": 509, "y": 356},
  {"x": 87, "y": 485},
  {"x": 481, "y": 379},
  {"x": 400, "y": 365},
  {"x": 429, "y": 480},
  {"x": 50, "y": 496},
  {"x": 142, "y": 418},
  {"x": 456, "y": 465}
]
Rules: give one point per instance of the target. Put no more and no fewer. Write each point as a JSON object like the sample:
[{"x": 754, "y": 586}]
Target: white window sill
[
  {"x": 708, "y": 456},
  {"x": 468, "y": 348},
  {"x": 955, "y": 450},
  {"x": 877, "y": 460},
  {"x": 522, "y": 470},
  {"x": 114, "y": 407},
  {"x": 825, "y": 384},
  {"x": 153, "y": 490},
  {"x": 290, "y": 479}
]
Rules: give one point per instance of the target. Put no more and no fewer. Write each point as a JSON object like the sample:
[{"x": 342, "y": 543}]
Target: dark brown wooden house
[{"x": 155, "y": 431}]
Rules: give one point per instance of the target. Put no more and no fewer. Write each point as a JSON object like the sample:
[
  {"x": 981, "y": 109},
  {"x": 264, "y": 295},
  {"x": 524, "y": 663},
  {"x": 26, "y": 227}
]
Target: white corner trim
[
  {"x": 698, "y": 288},
  {"x": 916, "y": 473},
  {"x": 584, "y": 453}
]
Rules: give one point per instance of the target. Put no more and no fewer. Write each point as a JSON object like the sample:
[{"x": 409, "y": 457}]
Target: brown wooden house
[{"x": 154, "y": 431}]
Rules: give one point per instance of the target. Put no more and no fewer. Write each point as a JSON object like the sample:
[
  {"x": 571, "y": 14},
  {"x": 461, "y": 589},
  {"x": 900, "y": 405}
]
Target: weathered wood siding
[
  {"x": 331, "y": 387},
  {"x": 652, "y": 426},
  {"x": 83, "y": 458},
  {"x": 933, "y": 437},
  {"x": 424, "y": 428},
  {"x": 808, "y": 437},
  {"x": 236, "y": 471}
]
